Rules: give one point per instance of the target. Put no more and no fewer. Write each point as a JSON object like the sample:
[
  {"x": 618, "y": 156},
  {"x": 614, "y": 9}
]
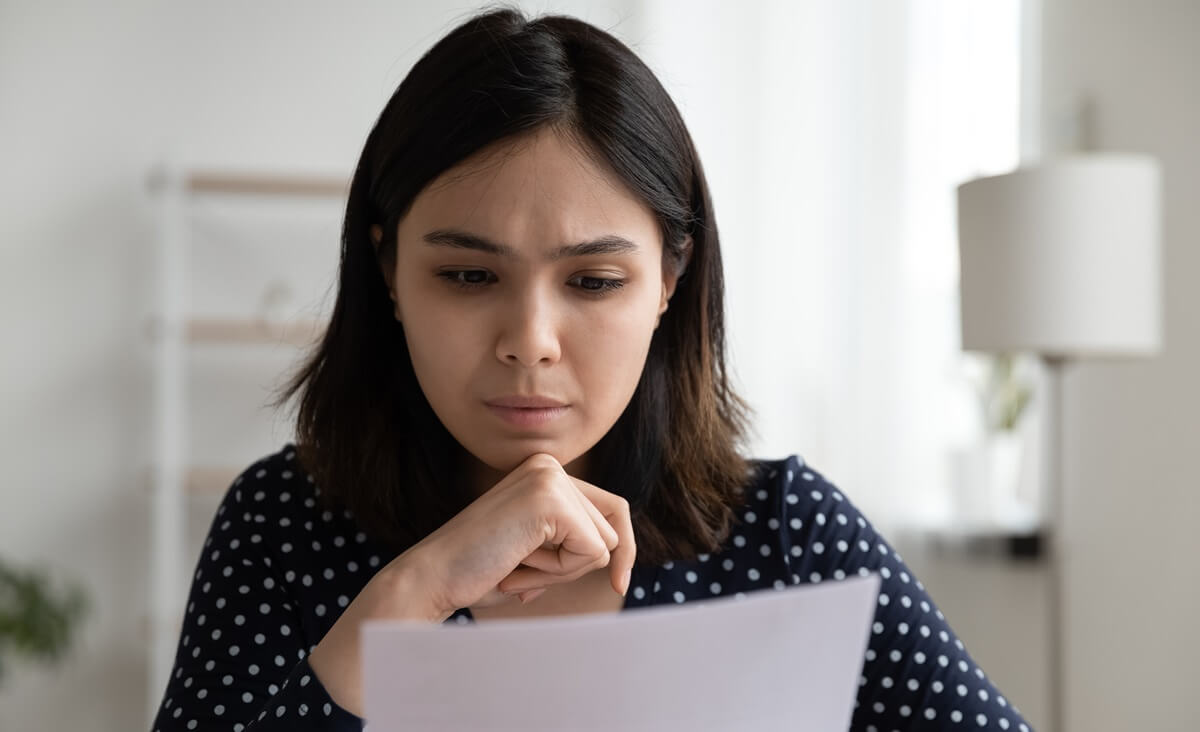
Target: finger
[
  {"x": 617, "y": 513},
  {"x": 611, "y": 539},
  {"x": 526, "y": 578},
  {"x": 527, "y": 597}
]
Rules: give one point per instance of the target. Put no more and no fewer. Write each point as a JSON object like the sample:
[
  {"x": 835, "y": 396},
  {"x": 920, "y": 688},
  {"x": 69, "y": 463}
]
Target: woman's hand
[{"x": 537, "y": 527}]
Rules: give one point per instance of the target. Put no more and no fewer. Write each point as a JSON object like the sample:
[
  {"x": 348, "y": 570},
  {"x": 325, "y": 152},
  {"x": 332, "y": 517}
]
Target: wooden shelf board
[
  {"x": 272, "y": 184},
  {"x": 221, "y": 330}
]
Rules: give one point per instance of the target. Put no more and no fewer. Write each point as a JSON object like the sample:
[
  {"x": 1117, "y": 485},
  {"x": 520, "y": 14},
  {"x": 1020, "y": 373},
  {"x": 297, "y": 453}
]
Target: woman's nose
[{"x": 529, "y": 331}]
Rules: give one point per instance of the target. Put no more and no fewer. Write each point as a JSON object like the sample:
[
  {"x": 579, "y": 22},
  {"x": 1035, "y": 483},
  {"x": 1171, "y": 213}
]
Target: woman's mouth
[{"x": 528, "y": 416}]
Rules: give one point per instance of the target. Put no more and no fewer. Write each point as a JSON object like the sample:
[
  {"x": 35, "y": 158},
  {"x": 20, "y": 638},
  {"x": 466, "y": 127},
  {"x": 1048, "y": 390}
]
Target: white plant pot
[{"x": 985, "y": 479}]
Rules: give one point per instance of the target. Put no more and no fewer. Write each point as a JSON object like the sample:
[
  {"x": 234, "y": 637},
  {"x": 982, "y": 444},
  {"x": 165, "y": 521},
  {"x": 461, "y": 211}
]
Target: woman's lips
[{"x": 528, "y": 416}]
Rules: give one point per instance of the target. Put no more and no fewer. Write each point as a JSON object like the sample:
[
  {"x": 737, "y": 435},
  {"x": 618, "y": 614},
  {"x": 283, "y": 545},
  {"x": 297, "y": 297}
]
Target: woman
[{"x": 521, "y": 408}]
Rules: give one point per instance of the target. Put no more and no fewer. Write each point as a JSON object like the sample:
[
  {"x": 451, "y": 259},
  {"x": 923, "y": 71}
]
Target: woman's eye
[
  {"x": 599, "y": 285},
  {"x": 466, "y": 278},
  {"x": 470, "y": 279}
]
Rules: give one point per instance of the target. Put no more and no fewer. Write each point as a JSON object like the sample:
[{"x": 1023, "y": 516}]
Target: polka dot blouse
[{"x": 276, "y": 571}]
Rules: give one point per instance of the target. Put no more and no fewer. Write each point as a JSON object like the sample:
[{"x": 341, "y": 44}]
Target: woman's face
[{"x": 528, "y": 271}]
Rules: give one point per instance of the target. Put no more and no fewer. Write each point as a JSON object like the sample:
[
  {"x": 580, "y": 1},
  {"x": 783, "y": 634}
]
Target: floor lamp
[{"x": 1062, "y": 259}]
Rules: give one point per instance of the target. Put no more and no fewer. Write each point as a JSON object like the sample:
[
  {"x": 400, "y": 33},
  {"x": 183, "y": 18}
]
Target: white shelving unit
[{"x": 175, "y": 331}]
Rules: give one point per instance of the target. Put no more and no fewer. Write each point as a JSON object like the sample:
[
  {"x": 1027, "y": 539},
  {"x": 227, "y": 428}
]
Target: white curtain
[{"x": 833, "y": 135}]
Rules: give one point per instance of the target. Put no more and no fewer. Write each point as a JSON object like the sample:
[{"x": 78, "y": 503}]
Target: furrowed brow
[{"x": 454, "y": 239}]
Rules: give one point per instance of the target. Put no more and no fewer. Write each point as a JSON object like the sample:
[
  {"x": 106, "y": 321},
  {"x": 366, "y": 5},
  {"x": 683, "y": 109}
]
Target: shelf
[
  {"x": 221, "y": 330},
  {"x": 265, "y": 184},
  {"x": 202, "y": 480},
  {"x": 210, "y": 480},
  {"x": 250, "y": 183},
  {"x": 1013, "y": 536},
  {"x": 235, "y": 331}
]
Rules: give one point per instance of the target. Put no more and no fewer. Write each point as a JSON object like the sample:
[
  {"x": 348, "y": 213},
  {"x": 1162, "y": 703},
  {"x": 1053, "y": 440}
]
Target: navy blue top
[{"x": 277, "y": 570}]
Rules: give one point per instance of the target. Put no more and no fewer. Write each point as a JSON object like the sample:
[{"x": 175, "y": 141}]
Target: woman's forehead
[{"x": 540, "y": 188}]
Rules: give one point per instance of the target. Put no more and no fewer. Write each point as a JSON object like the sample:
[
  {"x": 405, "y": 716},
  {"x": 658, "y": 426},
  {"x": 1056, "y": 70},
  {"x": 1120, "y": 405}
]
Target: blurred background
[{"x": 171, "y": 183}]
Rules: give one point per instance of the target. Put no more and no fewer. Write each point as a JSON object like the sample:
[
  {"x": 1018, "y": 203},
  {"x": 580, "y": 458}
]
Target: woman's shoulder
[
  {"x": 275, "y": 491},
  {"x": 791, "y": 485}
]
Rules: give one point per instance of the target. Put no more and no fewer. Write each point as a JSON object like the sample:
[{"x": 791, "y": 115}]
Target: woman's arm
[
  {"x": 916, "y": 674},
  {"x": 242, "y": 659}
]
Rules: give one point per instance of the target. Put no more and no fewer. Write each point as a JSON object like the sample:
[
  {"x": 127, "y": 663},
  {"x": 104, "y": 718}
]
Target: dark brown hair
[{"x": 364, "y": 429}]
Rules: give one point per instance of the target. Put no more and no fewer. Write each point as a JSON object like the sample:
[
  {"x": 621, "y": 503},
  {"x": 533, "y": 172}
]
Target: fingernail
[
  {"x": 532, "y": 595},
  {"x": 625, "y": 582}
]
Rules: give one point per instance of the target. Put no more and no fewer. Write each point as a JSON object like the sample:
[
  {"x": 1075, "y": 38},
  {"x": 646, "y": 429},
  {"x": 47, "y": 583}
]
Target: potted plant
[
  {"x": 1003, "y": 396},
  {"x": 36, "y": 620}
]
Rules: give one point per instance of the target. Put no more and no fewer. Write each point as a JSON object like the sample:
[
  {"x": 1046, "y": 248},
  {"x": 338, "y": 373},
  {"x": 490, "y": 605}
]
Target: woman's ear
[
  {"x": 376, "y": 237},
  {"x": 389, "y": 273},
  {"x": 671, "y": 276}
]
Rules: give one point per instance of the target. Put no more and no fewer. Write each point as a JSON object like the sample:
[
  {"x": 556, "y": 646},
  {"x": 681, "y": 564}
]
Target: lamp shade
[{"x": 1063, "y": 258}]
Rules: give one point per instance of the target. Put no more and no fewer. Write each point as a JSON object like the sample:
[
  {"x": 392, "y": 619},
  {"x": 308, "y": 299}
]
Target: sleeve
[
  {"x": 916, "y": 675},
  {"x": 241, "y": 662}
]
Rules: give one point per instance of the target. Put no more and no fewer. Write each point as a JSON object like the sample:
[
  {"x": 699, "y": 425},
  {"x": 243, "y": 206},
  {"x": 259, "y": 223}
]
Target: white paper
[{"x": 787, "y": 658}]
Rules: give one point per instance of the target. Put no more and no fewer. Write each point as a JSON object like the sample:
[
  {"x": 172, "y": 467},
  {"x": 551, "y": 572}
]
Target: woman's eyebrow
[{"x": 453, "y": 238}]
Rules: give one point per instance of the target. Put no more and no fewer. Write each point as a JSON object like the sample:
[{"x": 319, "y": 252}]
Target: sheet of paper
[{"x": 774, "y": 659}]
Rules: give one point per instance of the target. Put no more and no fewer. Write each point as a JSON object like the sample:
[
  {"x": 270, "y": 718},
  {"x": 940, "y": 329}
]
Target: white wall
[{"x": 1132, "y": 498}]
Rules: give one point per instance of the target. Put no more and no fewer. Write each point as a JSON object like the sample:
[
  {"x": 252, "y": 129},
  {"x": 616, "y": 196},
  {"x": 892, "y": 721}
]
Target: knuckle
[{"x": 542, "y": 461}]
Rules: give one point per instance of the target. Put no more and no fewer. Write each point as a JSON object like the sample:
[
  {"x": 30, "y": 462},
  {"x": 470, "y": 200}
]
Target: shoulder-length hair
[{"x": 364, "y": 430}]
